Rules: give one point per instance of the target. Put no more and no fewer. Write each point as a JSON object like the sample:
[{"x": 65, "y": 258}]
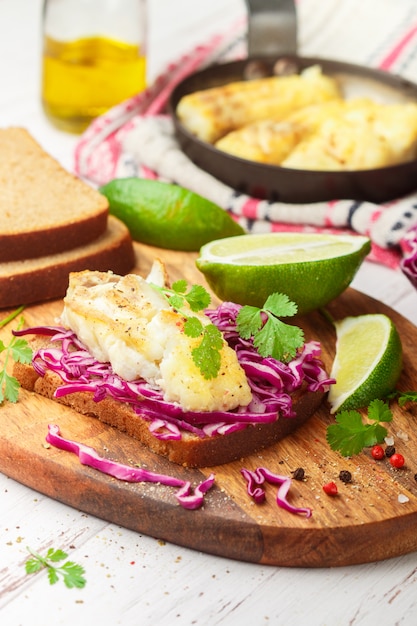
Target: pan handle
[{"x": 272, "y": 27}]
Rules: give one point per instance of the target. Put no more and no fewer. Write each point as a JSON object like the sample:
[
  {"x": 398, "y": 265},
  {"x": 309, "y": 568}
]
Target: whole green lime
[
  {"x": 310, "y": 268},
  {"x": 167, "y": 215}
]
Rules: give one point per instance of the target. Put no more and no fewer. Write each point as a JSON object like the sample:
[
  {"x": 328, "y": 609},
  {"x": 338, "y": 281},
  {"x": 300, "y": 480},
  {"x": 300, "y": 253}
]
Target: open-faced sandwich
[{"x": 153, "y": 361}]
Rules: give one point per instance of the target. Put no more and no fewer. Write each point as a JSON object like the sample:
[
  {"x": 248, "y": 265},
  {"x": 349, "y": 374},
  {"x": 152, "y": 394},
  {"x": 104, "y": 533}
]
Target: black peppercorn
[
  {"x": 345, "y": 476},
  {"x": 298, "y": 474},
  {"x": 389, "y": 451}
]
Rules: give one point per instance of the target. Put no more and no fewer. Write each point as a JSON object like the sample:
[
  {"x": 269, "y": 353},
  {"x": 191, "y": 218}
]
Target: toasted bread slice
[
  {"x": 46, "y": 278},
  {"x": 43, "y": 208},
  {"x": 190, "y": 450}
]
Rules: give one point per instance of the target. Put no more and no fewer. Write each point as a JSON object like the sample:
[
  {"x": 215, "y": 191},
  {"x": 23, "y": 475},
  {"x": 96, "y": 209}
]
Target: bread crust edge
[
  {"x": 51, "y": 282},
  {"x": 191, "y": 450},
  {"x": 33, "y": 244}
]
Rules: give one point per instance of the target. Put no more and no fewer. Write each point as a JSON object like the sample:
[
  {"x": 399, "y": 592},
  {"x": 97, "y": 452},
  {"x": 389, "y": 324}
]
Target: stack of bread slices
[{"x": 51, "y": 223}]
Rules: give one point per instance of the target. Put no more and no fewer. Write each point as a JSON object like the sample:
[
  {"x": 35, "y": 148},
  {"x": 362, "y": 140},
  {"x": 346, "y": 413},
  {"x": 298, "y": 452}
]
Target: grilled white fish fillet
[
  {"x": 265, "y": 141},
  {"x": 354, "y": 134},
  {"x": 125, "y": 321},
  {"x": 211, "y": 113}
]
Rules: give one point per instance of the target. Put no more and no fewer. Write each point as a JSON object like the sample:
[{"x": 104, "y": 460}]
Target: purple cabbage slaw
[
  {"x": 409, "y": 261},
  {"x": 256, "y": 478},
  {"x": 272, "y": 383},
  {"x": 88, "y": 456}
]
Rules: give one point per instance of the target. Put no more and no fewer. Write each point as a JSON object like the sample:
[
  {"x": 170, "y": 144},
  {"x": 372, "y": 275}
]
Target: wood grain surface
[{"x": 365, "y": 522}]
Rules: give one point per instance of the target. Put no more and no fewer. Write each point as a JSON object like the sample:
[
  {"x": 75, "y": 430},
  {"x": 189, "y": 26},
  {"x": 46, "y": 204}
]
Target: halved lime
[
  {"x": 368, "y": 361},
  {"x": 311, "y": 269},
  {"x": 166, "y": 215}
]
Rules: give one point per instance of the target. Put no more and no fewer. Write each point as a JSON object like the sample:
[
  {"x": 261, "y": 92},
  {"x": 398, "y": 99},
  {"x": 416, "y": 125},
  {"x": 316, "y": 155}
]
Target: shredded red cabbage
[
  {"x": 257, "y": 477},
  {"x": 88, "y": 456},
  {"x": 409, "y": 260},
  {"x": 272, "y": 383}
]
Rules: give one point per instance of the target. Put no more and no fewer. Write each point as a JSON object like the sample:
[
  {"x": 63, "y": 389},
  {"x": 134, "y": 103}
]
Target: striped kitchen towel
[{"x": 136, "y": 138}]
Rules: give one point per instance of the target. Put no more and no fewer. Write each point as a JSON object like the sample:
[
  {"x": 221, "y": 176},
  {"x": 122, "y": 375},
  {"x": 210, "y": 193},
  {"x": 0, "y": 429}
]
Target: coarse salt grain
[
  {"x": 402, "y": 435},
  {"x": 389, "y": 441},
  {"x": 403, "y": 498}
]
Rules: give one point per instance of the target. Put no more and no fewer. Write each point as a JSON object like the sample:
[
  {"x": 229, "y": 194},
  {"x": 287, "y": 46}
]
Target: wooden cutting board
[{"x": 364, "y": 522}]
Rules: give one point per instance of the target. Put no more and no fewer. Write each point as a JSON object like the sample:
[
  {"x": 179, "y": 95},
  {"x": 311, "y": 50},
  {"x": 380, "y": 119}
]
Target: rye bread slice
[
  {"x": 44, "y": 209},
  {"x": 46, "y": 278}
]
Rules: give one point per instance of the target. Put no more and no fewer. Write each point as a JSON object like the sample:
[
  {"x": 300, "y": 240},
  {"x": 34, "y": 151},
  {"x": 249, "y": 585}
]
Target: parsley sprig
[
  {"x": 350, "y": 434},
  {"x": 271, "y": 336},
  {"x": 18, "y": 349},
  {"x": 206, "y": 355},
  {"x": 71, "y": 573}
]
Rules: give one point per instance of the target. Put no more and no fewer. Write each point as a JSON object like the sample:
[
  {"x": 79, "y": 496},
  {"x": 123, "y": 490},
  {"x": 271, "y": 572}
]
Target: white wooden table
[{"x": 134, "y": 579}]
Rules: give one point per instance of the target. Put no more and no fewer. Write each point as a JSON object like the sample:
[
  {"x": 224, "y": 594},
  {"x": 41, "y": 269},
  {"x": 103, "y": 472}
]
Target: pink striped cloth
[{"x": 136, "y": 138}]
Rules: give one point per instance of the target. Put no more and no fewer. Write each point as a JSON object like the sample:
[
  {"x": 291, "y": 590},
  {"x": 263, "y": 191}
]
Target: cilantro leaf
[
  {"x": 379, "y": 411},
  {"x": 33, "y": 565},
  {"x": 406, "y": 396},
  {"x": 207, "y": 354},
  {"x": 56, "y": 555},
  {"x": 278, "y": 340},
  {"x": 193, "y": 327},
  {"x": 20, "y": 350},
  {"x": 176, "y": 301},
  {"x": 180, "y": 286},
  {"x": 271, "y": 336},
  {"x": 72, "y": 574},
  {"x": 9, "y": 387},
  {"x": 350, "y": 434},
  {"x": 198, "y": 298},
  {"x": 346, "y": 434},
  {"x": 249, "y": 321},
  {"x": 279, "y": 304},
  {"x": 52, "y": 575},
  {"x": 17, "y": 349}
]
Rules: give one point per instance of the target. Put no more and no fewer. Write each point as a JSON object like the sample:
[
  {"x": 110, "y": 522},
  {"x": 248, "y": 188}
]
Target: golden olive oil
[{"x": 84, "y": 78}]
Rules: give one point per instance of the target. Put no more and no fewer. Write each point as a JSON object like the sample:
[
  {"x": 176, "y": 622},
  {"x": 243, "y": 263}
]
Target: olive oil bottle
[{"x": 94, "y": 57}]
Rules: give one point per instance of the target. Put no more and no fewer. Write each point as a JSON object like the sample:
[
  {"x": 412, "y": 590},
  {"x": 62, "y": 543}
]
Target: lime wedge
[
  {"x": 166, "y": 215},
  {"x": 311, "y": 269},
  {"x": 368, "y": 361}
]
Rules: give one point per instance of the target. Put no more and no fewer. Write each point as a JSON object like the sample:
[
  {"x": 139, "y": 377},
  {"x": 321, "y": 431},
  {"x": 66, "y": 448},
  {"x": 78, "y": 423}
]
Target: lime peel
[
  {"x": 368, "y": 361},
  {"x": 310, "y": 268}
]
